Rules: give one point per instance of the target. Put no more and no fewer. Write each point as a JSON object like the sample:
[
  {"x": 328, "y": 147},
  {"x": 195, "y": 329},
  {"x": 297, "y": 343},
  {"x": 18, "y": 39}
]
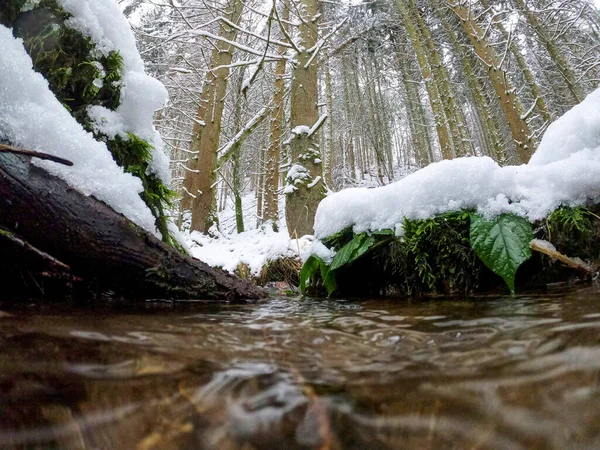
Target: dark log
[{"x": 99, "y": 244}]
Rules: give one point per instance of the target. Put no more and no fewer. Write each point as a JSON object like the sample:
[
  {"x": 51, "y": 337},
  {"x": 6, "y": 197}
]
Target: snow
[
  {"x": 253, "y": 248},
  {"x": 565, "y": 170},
  {"x": 141, "y": 95},
  {"x": 24, "y": 96},
  {"x": 577, "y": 129},
  {"x": 301, "y": 129},
  {"x": 543, "y": 244}
]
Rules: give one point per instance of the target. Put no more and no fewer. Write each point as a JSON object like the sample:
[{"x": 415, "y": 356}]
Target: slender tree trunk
[
  {"x": 330, "y": 151},
  {"x": 349, "y": 147},
  {"x": 271, "y": 200},
  {"x": 511, "y": 105},
  {"x": 417, "y": 121},
  {"x": 454, "y": 115},
  {"x": 260, "y": 186},
  {"x": 200, "y": 179},
  {"x": 491, "y": 133}
]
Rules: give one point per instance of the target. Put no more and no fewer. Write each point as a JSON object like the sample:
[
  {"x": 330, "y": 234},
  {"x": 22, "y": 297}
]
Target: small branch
[
  {"x": 14, "y": 240},
  {"x": 285, "y": 33},
  {"x": 548, "y": 249},
  {"x": 317, "y": 125},
  {"x": 229, "y": 149},
  {"x": 32, "y": 153}
]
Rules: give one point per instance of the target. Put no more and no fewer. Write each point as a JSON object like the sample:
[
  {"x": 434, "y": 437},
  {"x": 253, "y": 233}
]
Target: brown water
[{"x": 506, "y": 373}]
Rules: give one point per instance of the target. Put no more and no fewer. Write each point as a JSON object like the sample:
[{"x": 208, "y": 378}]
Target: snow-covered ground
[
  {"x": 253, "y": 248},
  {"x": 565, "y": 170}
]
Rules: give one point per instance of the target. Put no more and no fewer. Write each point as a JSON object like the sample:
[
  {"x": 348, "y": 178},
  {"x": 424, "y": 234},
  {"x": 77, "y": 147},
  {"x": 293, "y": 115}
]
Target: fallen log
[{"x": 44, "y": 215}]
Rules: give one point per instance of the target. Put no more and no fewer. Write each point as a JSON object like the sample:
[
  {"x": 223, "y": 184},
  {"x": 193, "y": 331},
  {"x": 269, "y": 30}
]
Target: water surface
[{"x": 500, "y": 373}]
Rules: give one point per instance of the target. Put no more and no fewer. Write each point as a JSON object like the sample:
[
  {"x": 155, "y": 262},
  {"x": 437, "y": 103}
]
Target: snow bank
[
  {"x": 253, "y": 248},
  {"x": 141, "y": 95},
  {"x": 31, "y": 117},
  {"x": 564, "y": 170}
]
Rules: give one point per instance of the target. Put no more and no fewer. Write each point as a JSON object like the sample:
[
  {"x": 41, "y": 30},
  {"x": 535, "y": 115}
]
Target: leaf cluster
[{"x": 445, "y": 254}]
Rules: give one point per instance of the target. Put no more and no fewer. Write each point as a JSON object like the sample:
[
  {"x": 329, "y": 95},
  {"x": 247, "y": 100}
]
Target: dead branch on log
[
  {"x": 20, "y": 243},
  {"x": 21, "y": 151}
]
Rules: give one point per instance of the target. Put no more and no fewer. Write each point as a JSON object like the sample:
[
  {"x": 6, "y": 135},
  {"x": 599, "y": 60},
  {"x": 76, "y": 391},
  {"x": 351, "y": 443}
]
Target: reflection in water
[{"x": 509, "y": 373}]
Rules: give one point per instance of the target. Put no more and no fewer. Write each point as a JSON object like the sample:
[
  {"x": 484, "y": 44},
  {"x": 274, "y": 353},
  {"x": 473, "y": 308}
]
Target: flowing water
[{"x": 500, "y": 373}]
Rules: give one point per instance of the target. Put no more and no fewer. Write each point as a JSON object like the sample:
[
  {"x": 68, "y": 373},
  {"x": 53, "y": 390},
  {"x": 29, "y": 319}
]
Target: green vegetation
[
  {"x": 457, "y": 252},
  {"x": 81, "y": 76},
  {"x": 502, "y": 244}
]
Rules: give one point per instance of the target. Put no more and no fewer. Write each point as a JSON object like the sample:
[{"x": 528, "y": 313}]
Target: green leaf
[
  {"x": 502, "y": 244},
  {"x": 309, "y": 268},
  {"x": 328, "y": 277},
  {"x": 352, "y": 250}
]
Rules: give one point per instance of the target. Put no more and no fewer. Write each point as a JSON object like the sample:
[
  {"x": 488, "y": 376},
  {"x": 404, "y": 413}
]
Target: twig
[{"x": 20, "y": 151}]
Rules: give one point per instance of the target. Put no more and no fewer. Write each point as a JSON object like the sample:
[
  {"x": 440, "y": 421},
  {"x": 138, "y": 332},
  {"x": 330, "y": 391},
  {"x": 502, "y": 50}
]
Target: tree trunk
[
  {"x": 491, "y": 134},
  {"x": 99, "y": 245},
  {"x": 454, "y": 115},
  {"x": 432, "y": 92},
  {"x": 329, "y": 97},
  {"x": 307, "y": 187},
  {"x": 271, "y": 200}
]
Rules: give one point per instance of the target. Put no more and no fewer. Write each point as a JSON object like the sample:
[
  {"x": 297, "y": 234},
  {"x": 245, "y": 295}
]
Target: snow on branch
[
  {"x": 235, "y": 44},
  {"x": 319, "y": 123},
  {"x": 228, "y": 149},
  {"x": 315, "y": 50}
]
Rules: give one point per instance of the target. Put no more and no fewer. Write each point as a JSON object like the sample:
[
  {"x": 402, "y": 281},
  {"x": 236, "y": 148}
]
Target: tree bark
[
  {"x": 432, "y": 90},
  {"x": 98, "y": 244},
  {"x": 301, "y": 203}
]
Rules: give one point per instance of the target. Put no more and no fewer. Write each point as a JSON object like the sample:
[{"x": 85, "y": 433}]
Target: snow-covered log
[{"x": 96, "y": 243}]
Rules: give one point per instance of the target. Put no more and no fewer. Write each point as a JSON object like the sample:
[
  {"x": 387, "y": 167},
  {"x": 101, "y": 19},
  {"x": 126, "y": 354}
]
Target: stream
[{"x": 450, "y": 373}]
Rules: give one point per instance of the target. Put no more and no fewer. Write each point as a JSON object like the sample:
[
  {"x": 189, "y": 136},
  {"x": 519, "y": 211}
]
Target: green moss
[
  {"x": 134, "y": 155},
  {"x": 77, "y": 74},
  {"x": 435, "y": 256},
  {"x": 80, "y": 76}
]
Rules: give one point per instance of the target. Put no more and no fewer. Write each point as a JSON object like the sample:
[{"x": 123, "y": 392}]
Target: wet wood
[{"x": 101, "y": 245}]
